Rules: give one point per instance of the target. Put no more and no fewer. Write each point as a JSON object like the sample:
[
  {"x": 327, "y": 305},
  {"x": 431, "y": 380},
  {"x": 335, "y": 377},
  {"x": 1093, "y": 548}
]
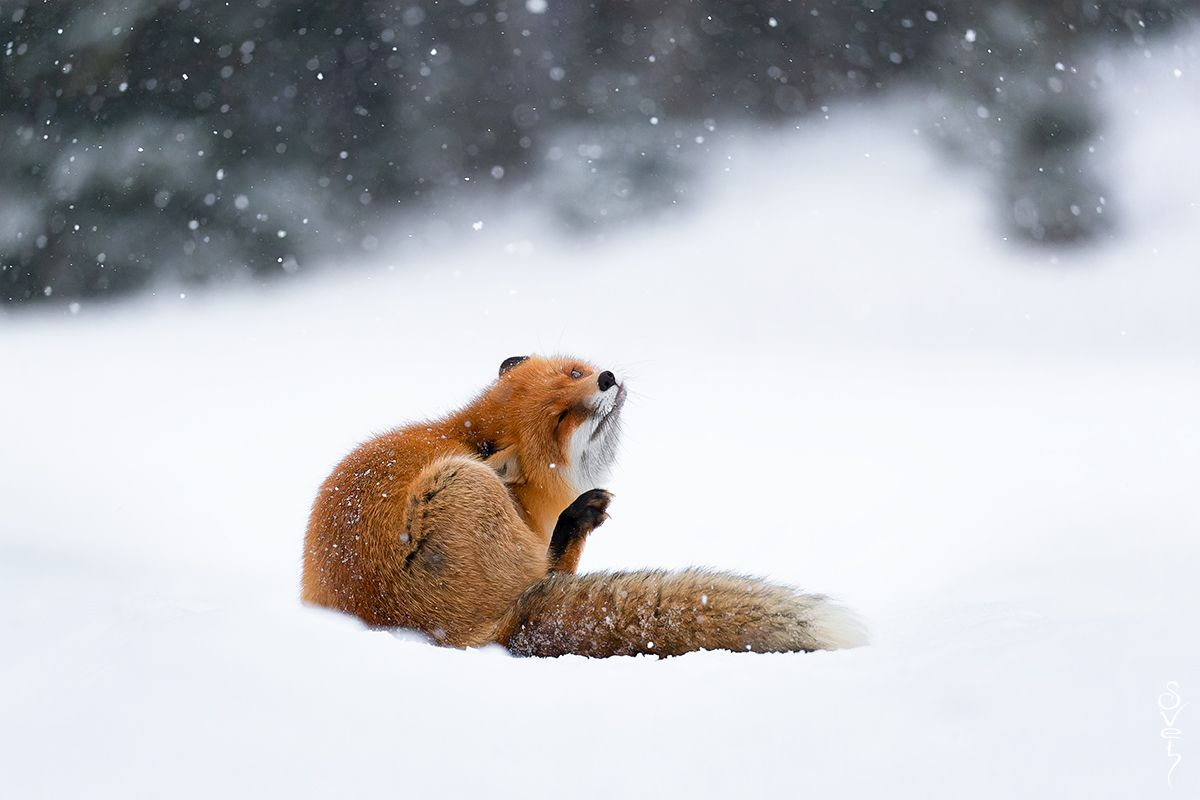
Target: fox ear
[
  {"x": 507, "y": 465},
  {"x": 511, "y": 362}
]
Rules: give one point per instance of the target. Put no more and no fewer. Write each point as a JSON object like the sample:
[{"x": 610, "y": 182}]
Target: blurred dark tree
[{"x": 206, "y": 140}]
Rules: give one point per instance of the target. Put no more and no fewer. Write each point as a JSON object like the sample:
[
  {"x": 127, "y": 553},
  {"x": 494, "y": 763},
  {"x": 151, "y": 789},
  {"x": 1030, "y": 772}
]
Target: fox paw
[{"x": 587, "y": 512}]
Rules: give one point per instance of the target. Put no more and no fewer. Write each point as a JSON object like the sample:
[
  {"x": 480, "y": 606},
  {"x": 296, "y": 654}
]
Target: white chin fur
[{"x": 593, "y": 446}]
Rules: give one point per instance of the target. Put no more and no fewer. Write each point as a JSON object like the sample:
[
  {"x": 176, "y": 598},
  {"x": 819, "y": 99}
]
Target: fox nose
[{"x": 606, "y": 380}]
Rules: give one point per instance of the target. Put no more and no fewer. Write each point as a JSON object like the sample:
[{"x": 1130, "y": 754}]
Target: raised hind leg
[{"x": 463, "y": 554}]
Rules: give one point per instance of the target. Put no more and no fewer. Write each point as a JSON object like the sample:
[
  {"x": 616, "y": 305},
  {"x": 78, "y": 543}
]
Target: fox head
[{"x": 548, "y": 419}]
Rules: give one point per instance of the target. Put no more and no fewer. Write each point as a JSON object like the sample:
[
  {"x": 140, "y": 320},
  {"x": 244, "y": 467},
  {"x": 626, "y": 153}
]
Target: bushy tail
[{"x": 669, "y": 613}]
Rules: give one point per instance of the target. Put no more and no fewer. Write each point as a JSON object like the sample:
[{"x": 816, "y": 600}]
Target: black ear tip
[{"x": 511, "y": 362}]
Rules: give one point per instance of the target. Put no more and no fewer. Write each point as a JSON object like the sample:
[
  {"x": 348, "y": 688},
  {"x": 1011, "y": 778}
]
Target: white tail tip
[{"x": 835, "y": 627}]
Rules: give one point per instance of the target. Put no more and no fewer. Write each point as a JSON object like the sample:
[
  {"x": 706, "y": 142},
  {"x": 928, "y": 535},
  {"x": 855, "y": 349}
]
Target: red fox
[{"x": 470, "y": 528}]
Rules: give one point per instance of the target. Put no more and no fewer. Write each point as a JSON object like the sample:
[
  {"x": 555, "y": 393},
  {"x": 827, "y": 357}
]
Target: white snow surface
[{"x": 843, "y": 377}]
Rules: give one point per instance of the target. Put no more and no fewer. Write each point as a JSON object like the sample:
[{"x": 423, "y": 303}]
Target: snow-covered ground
[{"x": 992, "y": 451}]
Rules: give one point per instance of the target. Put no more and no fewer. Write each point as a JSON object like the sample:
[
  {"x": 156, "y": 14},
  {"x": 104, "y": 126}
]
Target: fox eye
[
  {"x": 511, "y": 362},
  {"x": 576, "y": 373}
]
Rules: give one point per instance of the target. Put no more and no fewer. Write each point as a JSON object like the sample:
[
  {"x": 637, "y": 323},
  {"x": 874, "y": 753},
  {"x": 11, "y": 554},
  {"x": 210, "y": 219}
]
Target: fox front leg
[{"x": 586, "y": 513}]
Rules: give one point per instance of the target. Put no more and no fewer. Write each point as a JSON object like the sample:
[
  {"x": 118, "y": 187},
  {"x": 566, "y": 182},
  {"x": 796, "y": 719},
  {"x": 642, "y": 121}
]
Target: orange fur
[
  {"x": 470, "y": 529},
  {"x": 478, "y": 492}
]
